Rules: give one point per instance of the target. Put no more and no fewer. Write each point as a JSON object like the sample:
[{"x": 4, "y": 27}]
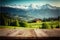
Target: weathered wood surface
[{"x": 30, "y": 32}]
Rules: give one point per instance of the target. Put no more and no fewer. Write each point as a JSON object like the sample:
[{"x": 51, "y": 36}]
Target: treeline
[
  {"x": 51, "y": 19},
  {"x": 7, "y": 20}
]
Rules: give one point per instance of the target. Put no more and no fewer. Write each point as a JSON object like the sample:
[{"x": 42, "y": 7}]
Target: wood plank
[
  {"x": 30, "y": 32},
  {"x": 47, "y": 32},
  {"x": 17, "y": 32}
]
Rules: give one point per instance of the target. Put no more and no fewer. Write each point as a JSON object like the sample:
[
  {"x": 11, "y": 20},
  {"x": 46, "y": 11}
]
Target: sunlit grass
[
  {"x": 15, "y": 27},
  {"x": 35, "y": 25}
]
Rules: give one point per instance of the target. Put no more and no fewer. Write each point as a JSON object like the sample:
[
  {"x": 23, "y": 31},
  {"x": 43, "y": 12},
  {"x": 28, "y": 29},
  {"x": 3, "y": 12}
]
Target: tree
[
  {"x": 23, "y": 24},
  {"x": 45, "y": 26},
  {"x": 4, "y": 18},
  {"x": 17, "y": 22}
]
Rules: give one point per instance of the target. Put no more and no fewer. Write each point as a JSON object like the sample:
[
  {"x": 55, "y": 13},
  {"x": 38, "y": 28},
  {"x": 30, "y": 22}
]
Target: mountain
[
  {"x": 48, "y": 6},
  {"x": 32, "y": 6},
  {"x": 15, "y": 12},
  {"x": 32, "y": 12}
]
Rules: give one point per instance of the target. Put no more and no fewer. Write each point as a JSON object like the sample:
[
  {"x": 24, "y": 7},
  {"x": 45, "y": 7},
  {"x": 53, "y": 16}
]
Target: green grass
[
  {"x": 36, "y": 25},
  {"x": 15, "y": 27},
  {"x": 48, "y": 24}
]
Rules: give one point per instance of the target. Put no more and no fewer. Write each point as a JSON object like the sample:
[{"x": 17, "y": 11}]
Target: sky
[{"x": 28, "y": 2}]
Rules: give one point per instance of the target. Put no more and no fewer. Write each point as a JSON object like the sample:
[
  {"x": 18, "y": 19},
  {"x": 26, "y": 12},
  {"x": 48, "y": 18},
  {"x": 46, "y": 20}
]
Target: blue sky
[{"x": 27, "y": 2}]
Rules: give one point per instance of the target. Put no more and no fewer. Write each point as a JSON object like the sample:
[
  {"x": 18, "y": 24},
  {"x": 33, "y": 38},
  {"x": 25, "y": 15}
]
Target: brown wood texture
[{"x": 30, "y": 33}]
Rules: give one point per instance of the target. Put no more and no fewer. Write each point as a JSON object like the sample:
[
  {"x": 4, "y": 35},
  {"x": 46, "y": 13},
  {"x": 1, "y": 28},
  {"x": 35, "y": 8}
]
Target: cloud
[
  {"x": 27, "y": 2},
  {"x": 17, "y": 6}
]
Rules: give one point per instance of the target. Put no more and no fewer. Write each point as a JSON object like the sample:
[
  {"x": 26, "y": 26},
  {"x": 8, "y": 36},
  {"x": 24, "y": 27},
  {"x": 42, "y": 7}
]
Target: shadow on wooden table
[{"x": 29, "y": 38}]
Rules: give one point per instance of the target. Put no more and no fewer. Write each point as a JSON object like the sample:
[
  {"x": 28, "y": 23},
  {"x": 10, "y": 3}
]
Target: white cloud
[{"x": 17, "y": 6}]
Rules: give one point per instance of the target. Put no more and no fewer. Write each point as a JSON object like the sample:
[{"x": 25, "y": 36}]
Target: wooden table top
[{"x": 30, "y": 33}]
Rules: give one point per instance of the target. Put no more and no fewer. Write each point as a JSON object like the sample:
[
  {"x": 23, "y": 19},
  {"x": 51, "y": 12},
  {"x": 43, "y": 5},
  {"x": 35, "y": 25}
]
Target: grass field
[
  {"x": 41, "y": 25},
  {"x": 49, "y": 24}
]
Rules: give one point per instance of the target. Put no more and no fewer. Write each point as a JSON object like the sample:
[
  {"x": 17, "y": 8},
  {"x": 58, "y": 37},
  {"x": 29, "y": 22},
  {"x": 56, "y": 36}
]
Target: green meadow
[
  {"x": 41, "y": 25},
  {"x": 10, "y": 22}
]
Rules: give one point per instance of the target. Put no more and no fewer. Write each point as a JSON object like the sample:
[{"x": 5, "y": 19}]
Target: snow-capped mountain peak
[
  {"x": 47, "y": 6},
  {"x": 32, "y": 6}
]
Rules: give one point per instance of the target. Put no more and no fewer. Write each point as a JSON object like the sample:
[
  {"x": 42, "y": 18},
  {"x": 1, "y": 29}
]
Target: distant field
[
  {"x": 53, "y": 24},
  {"x": 49, "y": 24},
  {"x": 15, "y": 27}
]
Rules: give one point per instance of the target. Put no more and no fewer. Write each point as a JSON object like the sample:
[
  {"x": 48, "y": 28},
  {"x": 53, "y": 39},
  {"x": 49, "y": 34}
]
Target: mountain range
[{"x": 30, "y": 12}]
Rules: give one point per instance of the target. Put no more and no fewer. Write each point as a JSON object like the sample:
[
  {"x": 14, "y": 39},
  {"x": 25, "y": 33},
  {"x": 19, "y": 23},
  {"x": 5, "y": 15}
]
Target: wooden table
[{"x": 43, "y": 34}]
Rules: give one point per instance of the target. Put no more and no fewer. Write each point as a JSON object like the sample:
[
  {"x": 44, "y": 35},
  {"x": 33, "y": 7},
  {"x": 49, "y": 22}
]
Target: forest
[{"x": 46, "y": 23}]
